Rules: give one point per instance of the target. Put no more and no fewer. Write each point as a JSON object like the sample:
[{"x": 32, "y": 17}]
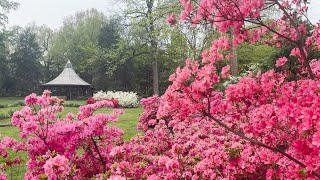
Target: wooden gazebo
[{"x": 69, "y": 84}]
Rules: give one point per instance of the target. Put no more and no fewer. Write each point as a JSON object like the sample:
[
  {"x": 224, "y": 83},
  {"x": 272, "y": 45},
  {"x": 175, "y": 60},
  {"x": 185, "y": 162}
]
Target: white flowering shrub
[{"x": 126, "y": 99}]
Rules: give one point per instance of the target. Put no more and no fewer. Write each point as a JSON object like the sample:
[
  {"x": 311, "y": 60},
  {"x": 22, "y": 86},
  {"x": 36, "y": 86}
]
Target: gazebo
[{"x": 68, "y": 84}]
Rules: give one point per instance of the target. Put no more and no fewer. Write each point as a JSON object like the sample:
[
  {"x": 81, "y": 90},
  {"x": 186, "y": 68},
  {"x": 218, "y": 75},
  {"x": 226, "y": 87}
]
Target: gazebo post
[{"x": 70, "y": 92}]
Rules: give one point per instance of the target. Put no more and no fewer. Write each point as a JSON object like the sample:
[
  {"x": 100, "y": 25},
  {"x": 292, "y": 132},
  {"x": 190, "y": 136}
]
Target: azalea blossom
[{"x": 281, "y": 61}]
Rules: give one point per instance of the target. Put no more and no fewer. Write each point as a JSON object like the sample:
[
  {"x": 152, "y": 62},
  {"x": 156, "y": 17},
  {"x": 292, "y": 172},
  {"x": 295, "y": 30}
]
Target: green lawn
[
  {"x": 127, "y": 123},
  {"x": 9, "y": 100}
]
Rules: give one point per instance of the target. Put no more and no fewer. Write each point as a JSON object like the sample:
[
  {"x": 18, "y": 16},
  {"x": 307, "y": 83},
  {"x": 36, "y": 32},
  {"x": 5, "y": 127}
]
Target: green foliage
[
  {"x": 4, "y": 68},
  {"x": 262, "y": 56},
  {"x": 5, "y": 7},
  {"x": 25, "y": 62},
  {"x": 77, "y": 41}
]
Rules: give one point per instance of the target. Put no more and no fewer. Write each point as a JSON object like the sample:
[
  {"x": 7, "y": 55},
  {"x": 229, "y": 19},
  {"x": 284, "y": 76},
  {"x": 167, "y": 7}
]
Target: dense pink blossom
[
  {"x": 2, "y": 176},
  {"x": 57, "y": 167},
  {"x": 52, "y": 143},
  {"x": 225, "y": 72},
  {"x": 281, "y": 61}
]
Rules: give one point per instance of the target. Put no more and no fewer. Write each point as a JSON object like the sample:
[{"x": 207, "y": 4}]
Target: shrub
[
  {"x": 114, "y": 101},
  {"x": 18, "y": 103},
  {"x": 90, "y": 101},
  {"x": 21, "y": 103},
  {"x": 125, "y": 99},
  {"x": 69, "y": 104},
  {"x": 53, "y": 144}
]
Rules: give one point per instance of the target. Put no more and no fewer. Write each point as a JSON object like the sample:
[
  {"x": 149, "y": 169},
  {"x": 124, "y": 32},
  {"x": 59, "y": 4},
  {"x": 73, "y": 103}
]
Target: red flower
[{"x": 91, "y": 101}]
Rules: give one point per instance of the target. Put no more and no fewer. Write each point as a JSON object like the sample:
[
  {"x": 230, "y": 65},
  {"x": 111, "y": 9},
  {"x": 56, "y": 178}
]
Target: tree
[
  {"x": 25, "y": 62},
  {"x": 147, "y": 19},
  {"x": 4, "y": 73},
  {"x": 77, "y": 41},
  {"x": 44, "y": 37},
  {"x": 143, "y": 14},
  {"x": 6, "y": 6}
]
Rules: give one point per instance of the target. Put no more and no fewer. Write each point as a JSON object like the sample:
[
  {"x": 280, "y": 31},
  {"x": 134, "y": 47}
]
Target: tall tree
[
  {"x": 147, "y": 19},
  {"x": 5, "y": 7},
  {"x": 76, "y": 40},
  {"x": 144, "y": 16},
  {"x": 25, "y": 62},
  {"x": 3, "y": 64}
]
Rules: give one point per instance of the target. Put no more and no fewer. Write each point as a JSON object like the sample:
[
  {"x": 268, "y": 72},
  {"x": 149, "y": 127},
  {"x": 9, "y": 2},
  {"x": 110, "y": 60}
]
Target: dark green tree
[
  {"x": 25, "y": 62},
  {"x": 77, "y": 40},
  {"x": 4, "y": 71}
]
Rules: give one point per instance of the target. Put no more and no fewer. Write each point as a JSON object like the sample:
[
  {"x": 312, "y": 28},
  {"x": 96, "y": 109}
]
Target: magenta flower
[
  {"x": 57, "y": 167},
  {"x": 281, "y": 61},
  {"x": 171, "y": 19},
  {"x": 225, "y": 72}
]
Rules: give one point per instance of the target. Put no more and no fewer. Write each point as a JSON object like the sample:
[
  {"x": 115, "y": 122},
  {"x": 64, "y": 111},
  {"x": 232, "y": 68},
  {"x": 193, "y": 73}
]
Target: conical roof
[{"x": 67, "y": 77}]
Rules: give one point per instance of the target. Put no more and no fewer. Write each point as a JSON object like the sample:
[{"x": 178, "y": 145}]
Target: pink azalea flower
[
  {"x": 57, "y": 166},
  {"x": 225, "y": 72},
  {"x": 281, "y": 61},
  {"x": 171, "y": 19}
]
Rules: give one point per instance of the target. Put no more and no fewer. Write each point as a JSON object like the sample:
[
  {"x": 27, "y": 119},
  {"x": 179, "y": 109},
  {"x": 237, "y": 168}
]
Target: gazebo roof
[{"x": 68, "y": 77}]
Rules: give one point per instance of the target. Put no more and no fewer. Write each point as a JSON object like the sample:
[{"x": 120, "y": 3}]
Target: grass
[
  {"x": 9, "y": 100},
  {"x": 126, "y": 122}
]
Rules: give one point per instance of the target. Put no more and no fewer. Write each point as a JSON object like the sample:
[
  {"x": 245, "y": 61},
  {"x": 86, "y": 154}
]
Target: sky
[
  {"x": 314, "y": 13},
  {"x": 52, "y": 12}
]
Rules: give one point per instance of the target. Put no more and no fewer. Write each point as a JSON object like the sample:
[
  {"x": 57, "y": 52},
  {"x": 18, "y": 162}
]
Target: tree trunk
[
  {"x": 155, "y": 77},
  {"x": 153, "y": 42},
  {"x": 234, "y": 60}
]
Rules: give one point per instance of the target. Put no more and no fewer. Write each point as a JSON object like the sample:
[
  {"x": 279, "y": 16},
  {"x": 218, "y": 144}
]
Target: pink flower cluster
[
  {"x": 148, "y": 119},
  {"x": 171, "y": 19},
  {"x": 65, "y": 148},
  {"x": 114, "y": 101},
  {"x": 57, "y": 167},
  {"x": 281, "y": 61}
]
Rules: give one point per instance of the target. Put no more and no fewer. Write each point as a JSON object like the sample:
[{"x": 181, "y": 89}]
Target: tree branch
[{"x": 100, "y": 156}]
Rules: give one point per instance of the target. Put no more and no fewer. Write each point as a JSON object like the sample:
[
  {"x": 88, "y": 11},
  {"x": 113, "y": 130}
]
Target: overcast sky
[{"x": 52, "y": 12}]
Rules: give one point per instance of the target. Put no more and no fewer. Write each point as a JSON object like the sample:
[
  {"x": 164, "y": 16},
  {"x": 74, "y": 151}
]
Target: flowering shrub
[
  {"x": 125, "y": 99},
  {"x": 90, "y": 101},
  {"x": 114, "y": 101},
  {"x": 148, "y": 119},
  {"x": 76, "y": 146},
  {"x": 9, "y": 144}
]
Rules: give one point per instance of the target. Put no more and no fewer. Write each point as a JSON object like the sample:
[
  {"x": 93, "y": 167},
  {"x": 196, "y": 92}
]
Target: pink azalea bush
[
  {"x": 114, "y": 101},
  {"x": 65, "y": 148},
  {"x": 265, "y": 126}
]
